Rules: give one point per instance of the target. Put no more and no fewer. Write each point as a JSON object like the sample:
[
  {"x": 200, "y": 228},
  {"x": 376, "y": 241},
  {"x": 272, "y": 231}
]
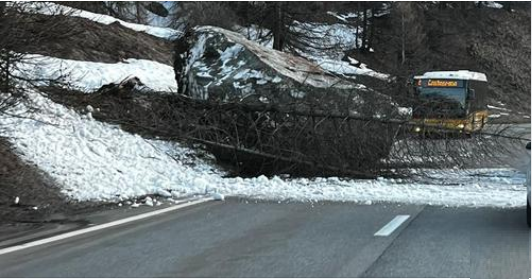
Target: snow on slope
[
  {"x": 88, "y": 76},
  {"x": 99, "y": 162},
  {"x": 49, "y": 8},
  {"x": 329, "y": 41}
]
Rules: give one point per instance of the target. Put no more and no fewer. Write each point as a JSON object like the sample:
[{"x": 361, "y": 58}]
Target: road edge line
[{"x": 115, "y": 223}]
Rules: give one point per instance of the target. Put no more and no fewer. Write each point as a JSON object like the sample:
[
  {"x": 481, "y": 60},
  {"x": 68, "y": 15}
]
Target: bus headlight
[{"x": 417, "y": 129}]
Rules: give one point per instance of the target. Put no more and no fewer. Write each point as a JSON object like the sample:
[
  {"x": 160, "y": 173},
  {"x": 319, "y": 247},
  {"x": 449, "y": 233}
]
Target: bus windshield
[
  {"x": 441, "y": 98},
  {"x": 456, "y": 95}
]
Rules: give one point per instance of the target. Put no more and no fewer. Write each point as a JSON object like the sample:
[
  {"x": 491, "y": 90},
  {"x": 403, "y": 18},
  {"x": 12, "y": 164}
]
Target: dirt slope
[{"x": 91, "y": 41}]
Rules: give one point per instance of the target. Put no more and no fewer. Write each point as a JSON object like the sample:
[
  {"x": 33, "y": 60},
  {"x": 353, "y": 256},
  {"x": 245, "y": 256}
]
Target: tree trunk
[
  {"x": 138, "y": 11},
  {"x": 278, "y": 30},
  {"x": 357, "y": 29},
  {"x": 403, "y": 38},
  {"x": 371, "y": 29},
  {"x": 364, "y": 46}
]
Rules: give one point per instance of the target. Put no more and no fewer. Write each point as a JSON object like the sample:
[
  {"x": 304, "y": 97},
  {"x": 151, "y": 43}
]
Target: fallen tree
[{"x": 270, "y": 112}]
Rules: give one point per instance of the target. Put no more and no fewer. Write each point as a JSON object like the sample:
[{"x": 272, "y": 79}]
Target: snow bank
[
  {"x": 99, "y": 162},
  {"x": 49, "y": 8},
  {"x": 88, "y": 76}
]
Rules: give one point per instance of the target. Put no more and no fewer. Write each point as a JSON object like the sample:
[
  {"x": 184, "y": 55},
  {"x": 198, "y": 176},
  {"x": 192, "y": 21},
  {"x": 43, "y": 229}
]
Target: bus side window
[{"x": 471, "y": 94}]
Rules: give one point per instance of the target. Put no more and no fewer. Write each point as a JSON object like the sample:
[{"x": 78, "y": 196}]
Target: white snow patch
[
  {"x": 491, "y": 4},
  {"x": 405, "y": 111},
  {"x": 88, "y": 76},
  {"x": 49, "y": 8},
  {"x": 343, "y": 17},
  {"x": 148, "y": 201},
  {"x": 498, "y": 108},
  {"x": 218, "y": 197}
]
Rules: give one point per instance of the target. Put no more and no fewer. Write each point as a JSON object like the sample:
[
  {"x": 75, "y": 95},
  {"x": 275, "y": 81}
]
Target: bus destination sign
[{"x": 443, "y": 83}]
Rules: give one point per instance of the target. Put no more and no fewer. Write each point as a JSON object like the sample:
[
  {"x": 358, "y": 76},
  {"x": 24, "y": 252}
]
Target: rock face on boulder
[
  {"x": 278, "y": 113},
  {"x": 224, "y": 65}
]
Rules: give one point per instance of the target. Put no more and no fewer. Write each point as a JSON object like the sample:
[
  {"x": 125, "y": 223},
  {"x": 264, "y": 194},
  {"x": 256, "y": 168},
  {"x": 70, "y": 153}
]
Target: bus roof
[{"x": 462, "y": 74}]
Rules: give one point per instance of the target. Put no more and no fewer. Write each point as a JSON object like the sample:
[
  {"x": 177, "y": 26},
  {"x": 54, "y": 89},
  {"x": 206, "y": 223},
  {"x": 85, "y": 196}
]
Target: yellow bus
[{"x": 450, "y": 100}]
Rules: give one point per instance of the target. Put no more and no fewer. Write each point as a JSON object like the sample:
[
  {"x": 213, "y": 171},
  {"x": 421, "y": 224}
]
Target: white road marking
[
  {"x": 103, "y": 226},
  {"x": 392, "y": 226}
]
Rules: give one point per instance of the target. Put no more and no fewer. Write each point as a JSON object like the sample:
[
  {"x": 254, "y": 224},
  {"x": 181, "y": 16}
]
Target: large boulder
[
  {"x": 279, "y": 112},
  {"x": 224, "y": 65}
]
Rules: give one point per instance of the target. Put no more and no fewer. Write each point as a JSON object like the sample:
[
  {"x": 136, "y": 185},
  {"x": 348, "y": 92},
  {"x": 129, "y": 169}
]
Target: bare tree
[
  {"x": 22, "y": 34},
  {"x": 189, "y": 14}
]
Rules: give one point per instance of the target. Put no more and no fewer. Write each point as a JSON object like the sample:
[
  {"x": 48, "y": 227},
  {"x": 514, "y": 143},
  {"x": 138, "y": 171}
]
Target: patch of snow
[
  {"x": 343, "y": 17},
  {"x": 164, "y": 193},
  {"x": 49, "y": 8},
  {"x": 498, "y": 108},
  {"x": 148, "y": 201},
  {"x": 491, "y": 4},
  {"x": 406, "y": 111},
  {"x": 329, "y": 41},
  {"x": 88, "y": 76},
  {"x": 385, "y": 9}
]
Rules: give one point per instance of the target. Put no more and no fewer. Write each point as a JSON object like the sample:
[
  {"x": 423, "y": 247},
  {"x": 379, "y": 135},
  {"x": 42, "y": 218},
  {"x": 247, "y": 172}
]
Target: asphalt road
[{"x": 239, "y": 238}]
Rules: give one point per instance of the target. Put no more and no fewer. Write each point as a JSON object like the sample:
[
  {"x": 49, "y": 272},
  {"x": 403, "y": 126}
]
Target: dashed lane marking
[{"x": 392, "y": 225}]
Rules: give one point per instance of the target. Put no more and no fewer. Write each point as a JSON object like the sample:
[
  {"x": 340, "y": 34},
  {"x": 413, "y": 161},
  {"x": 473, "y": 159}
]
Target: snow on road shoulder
[
  {"x": 88, "y": 76},
  {"x": 49, "y": 8},
  {"x": 484, "y": 188},
  {"x": 94, "y": 161}
]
